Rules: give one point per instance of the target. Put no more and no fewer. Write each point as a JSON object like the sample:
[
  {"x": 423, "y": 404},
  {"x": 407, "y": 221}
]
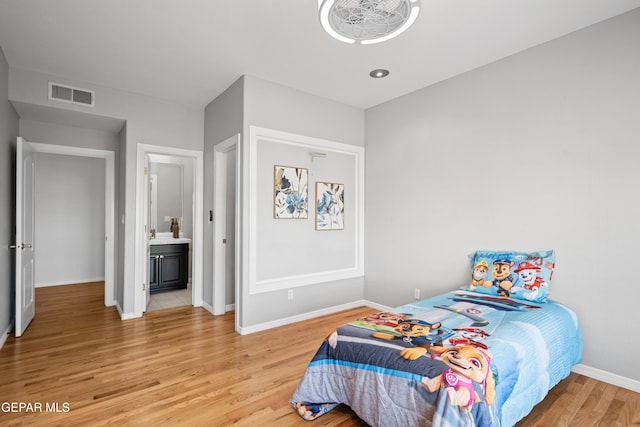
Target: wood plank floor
[{"x": 183, "y": 366}]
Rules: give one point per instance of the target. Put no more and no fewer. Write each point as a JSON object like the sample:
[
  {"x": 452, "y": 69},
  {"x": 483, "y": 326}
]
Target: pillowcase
[{"x": 522, "y": 275}]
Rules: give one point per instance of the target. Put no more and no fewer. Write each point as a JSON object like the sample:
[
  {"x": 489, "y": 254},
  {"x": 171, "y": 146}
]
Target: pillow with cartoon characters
[{"x": 522, "y": 275}]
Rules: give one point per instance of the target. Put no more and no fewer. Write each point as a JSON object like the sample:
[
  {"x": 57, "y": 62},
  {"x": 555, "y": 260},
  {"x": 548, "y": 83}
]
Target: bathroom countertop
[{"x": 168, "y": 239}]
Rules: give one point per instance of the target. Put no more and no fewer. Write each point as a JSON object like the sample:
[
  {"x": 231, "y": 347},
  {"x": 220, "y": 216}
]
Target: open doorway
[
  {"x": 169, "y": 185},
  {"x": 225, "y": 228},
  {"x": 170, "y": 217},
  {"x": 56, "y": 167}
]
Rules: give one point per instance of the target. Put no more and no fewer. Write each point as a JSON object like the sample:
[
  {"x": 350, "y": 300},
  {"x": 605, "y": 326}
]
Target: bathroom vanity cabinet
[{"x": 168, "y": 267}]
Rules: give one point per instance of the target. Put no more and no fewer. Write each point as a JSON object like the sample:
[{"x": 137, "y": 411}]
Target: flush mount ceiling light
[{"x": 367, "y": 21}]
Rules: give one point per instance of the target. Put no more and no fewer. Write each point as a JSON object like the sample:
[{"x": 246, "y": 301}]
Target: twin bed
[{"x": 474, "y": 357}]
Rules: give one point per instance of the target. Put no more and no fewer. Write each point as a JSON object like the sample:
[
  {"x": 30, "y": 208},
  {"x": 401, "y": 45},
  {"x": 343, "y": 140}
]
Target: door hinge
[
  {"x": 144, "y": 286},
  {"x": 146, "y": 170}
]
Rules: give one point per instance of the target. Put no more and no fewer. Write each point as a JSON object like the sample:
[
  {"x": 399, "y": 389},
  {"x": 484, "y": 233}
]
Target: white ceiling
[{"x": 189, "y": 51}]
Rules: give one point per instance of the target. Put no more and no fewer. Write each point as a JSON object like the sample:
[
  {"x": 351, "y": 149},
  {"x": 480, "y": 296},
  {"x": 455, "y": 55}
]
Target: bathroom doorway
[
  {"x": 170, "y": 224},
  {"x": 169, "y": 185}
]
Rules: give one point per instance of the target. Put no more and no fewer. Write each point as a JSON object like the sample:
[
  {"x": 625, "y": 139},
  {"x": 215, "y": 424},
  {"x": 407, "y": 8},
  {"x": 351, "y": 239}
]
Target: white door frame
[
  {"x": 220, "y": 152},
  {"x": 140, "y": 273},
  {"x": 147, "y": 229},
  {"x": 109, "y": 206}
]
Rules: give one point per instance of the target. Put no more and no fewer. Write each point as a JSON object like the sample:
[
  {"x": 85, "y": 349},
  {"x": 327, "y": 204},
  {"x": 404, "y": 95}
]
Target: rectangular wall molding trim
[{"x": 338, "y": 162}]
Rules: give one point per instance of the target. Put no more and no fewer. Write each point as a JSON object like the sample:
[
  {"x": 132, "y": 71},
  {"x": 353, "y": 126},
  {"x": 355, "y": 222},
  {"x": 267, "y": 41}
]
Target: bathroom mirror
[{"x": 165, "y": 192}]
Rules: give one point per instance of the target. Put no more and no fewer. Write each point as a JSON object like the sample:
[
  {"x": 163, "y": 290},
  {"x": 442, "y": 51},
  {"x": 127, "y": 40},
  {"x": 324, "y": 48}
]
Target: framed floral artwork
[
  {"x": 291, "y": 192},
  {"x": 329, "y": 206}
]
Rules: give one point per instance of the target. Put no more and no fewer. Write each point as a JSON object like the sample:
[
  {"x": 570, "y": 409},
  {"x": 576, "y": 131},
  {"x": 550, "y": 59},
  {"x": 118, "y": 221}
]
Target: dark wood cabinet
[
  {"x": 168, "y": 267},
  {"x": 153, "y": 271}
]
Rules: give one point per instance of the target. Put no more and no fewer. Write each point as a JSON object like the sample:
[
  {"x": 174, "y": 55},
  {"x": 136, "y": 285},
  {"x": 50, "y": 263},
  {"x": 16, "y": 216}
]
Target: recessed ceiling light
[
  {"x": 379, "y": 73},
  {"x": 367, "y": 21}
]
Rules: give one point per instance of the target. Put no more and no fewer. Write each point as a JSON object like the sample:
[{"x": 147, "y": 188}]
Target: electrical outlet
[
  {"x": 416, "y": 293},
  {"x": 290, "y": 294}
]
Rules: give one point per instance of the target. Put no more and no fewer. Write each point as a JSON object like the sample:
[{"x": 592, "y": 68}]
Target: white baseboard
[
  {"x": 300, "y": 317},
  {"x": 607, "y": 377},
  {"x": 207, "y": 307},
  {"x": 377, "y": 306},
  {"x": 68, "y": 282},
  {"x": 5, "y": 334},
  {"x": 125, "y": 316}
]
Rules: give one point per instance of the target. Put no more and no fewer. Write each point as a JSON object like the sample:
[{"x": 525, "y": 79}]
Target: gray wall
[
  {"x": 223, "y": 119},
  {"x": 154, "y": 121},
  {"x": 73, "y": 136},
  {"x": 291, "y": 247},
  {"x": 69, "y": 219},
  {"x": 148, "y": 121},
  {"x": 8, "y": 134},
  {"x": 278, "y": 107},
  {"x": 536, "y": 151},
  {"x": 273, "y": 106}
]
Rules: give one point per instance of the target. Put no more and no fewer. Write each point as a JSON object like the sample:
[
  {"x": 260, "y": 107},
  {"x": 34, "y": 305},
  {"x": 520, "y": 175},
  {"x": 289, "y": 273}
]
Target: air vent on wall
[{"x": 73, "y": 95}]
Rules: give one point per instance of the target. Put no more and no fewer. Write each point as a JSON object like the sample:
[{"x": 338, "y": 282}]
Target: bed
[
  {"x": 482, "y": 355},
  {"x": 513, "y": 352}
]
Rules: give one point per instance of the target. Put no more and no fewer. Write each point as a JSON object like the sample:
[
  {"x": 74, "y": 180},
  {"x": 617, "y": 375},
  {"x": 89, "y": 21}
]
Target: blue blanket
[{"x": 458, "y": 359}]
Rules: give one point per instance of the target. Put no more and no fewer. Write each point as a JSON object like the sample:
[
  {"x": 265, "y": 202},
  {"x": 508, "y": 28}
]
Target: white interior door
[{"x": 25, "y": 288}]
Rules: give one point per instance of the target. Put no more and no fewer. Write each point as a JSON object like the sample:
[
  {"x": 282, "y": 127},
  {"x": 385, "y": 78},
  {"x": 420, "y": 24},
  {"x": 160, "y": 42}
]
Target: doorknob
[{"x": 23, "y": 246}]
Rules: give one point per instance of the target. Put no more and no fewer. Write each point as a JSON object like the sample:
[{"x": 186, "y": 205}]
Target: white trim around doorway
[
  {"x": 141, "y": 236},
  {"x": 220, "y": 226},
  {"x": 109, "y": 204}
]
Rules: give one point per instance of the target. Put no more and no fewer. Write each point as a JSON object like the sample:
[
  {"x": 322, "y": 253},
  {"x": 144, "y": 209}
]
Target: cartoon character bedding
[{"x": 458, "y": 359}]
